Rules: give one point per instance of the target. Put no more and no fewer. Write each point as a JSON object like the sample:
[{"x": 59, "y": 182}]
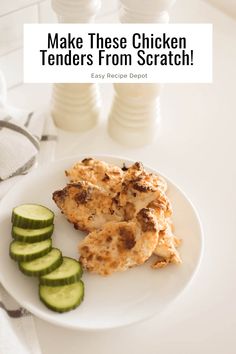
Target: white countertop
[{"x": 196, "y": 149}]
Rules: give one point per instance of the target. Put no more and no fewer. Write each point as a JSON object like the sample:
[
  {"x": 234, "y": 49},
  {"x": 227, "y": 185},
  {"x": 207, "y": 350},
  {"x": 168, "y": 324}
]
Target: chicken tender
[
  {"x": 87, "y": 206},
  {"x": 162, "y": 208},
  {"x": 120, "y": 245},
  {"x": 137, "y": 171},
  {"x": 166, "y": 251},
  {"x": 139, "y": 189},
  {"x": 107, "y": 177},
  {"x": 166, "y": 247},
  {"x": 126, "y": 212}
]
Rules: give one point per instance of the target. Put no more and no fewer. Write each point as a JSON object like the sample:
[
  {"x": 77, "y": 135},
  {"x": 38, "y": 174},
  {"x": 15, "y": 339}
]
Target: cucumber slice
[
  {"x": 32, "y": 216},
  {"x": 70, "y": 271},
  {"x": 42, "y": 265},
  {"x": 22, "y": 251},
  {"x": 62, "y": 298},
  {"x": 30, "y": 235}
]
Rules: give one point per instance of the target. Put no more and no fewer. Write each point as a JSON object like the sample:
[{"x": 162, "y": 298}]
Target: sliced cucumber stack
[
  {"x": 62, "y": 298},
  {"x": 62, "y": 290},
  {"x": 30, "y": 235},
  {"x": 42, "y": 265},
  {"x": 22, "y": 251},
  {"x": 32, "y": 216},
  {"x": 60, "y": 287},
  {"x": 69, "y": 272}
]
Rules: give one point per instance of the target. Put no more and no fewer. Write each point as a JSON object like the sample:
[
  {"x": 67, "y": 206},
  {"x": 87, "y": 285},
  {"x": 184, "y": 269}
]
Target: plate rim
[{"x": 38, "y": 313}]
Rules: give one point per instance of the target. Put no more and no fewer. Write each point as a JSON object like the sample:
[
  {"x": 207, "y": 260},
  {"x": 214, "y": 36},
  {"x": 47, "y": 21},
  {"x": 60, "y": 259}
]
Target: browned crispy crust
[
  {"x": 120, "y": 245},
  {"x": 106, "y": 200},
  {"x": 166, "y": 249},
  {"x": 105, "y": 176},
  {"x": 86, "y": 206}
]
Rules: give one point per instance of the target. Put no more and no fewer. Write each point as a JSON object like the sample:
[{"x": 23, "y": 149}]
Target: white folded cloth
[
  {"x": 18, "y": 147},
  {"x": 17, "y": 328},
  {"x": 22, "y": 149},
  {"x": 27, "y": 139}
]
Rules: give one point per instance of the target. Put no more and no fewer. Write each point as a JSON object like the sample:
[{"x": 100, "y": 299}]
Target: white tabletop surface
[{"x": 196, "y": 149}]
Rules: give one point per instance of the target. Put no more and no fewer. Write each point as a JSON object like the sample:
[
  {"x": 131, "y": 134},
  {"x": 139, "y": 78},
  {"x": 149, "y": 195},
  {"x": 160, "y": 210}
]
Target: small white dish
[{"x": 114, "y": 301}]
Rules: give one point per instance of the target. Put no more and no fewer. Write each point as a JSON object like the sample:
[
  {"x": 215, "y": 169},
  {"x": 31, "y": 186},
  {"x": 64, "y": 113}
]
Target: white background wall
[{"x": 13, "y": 14}]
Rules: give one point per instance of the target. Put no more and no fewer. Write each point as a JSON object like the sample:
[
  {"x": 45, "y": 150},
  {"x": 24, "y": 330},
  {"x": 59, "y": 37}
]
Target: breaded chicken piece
[
  {"x": 132, "y": 190},
  {"x": 139, "y": 189},
  {"x": 137, "y": 171},
  {"x": 86, "y": 206},
  {"x": 163, "y": 203},
  {"x": 120, "y": 245},
  {"x": 166, "y": 248},
  {"x": 162, "y": 208},
  {"x": 113, "y": 204},
  {"x": 107, "y": 177}
]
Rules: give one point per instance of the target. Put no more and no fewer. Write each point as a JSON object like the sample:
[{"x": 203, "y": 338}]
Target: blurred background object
[
  {"x": 76, "y": 107},
  {"x": 149, "y": 11},
  {"x": 135, "y": 114},
  {"x": 76, "y": 11},
  {"x": 228, "y": 6}
]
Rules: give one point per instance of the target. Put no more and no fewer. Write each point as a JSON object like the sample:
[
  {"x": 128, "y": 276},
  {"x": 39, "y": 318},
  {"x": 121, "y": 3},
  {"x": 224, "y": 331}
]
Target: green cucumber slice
[
  {"x": 70, "y": 271},
  {"x": 42, "y": 265},
  {"x": 30, "y": 235},
  {"x": 22, "y": 251},
  {"x": 32, "y": 216},
  {"x": 62, "y": 298}
]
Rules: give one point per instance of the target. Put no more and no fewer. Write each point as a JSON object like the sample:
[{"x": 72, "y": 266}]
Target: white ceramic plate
[{"x": 114, "y": 301}]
